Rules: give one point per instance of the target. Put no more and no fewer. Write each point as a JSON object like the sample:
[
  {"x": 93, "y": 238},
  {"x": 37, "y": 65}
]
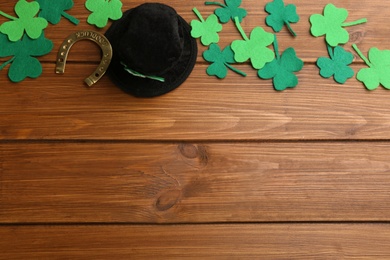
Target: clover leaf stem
[
  {"x": 290, "y": 29},
  {"x": 7, "y": 16},
  {"x": 72, "y": 19},
  {"x": 6, "y": 63},
  {"x": 215, "y": 3},
  {"x": 276, "y": 48},
  {"x": 360, "y": 21},
  {"x": 361, "y": 55},
  {"x": 238, "y": 25},
  {"x": 235, "y": 70},
  {"x": 196, "y": 11}
]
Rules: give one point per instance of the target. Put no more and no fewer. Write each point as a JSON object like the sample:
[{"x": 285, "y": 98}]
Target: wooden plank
[
  {"x": 188, "y": 183},
  {"x": 375, "y": 32},
  {"x": 325, "y": 241},
  {"x": 61, "y": 107}
]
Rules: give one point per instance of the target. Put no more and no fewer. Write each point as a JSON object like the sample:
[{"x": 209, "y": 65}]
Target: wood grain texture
[
  {"x": 225, "y": 169},
  {"x": 188, "y": 183},
  {"x": 61, "y": 107},
  {"x": 340, "y": 241}
]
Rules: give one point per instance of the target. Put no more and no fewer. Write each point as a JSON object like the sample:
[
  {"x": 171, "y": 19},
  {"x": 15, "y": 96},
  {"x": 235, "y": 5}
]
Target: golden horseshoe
[{"x": 100, "y": 39}]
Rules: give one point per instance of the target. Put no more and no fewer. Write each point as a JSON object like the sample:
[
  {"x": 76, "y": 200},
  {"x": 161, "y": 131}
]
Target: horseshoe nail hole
[
  {"x": 101, "y": 69},
  {"x": 97, "y": 74},
  {"x": 61, "y": 60},
  {"x": 62, "y": 53},
  {"x": 69, "y": 41},
  {"x": 64, "y": 47}
]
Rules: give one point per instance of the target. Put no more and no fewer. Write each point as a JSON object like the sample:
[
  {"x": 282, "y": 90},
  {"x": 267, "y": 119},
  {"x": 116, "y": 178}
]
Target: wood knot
[
  {"x": 351, "y": 131},
  {"x": 356, "y": 36},
  {"x": 188, "y": 150},
  {"x": 192, "y": 151},
  {"x": 168, "y": 199}
]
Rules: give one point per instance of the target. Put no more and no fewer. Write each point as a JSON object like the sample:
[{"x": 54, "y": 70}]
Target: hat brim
[{"x": 144, "y": 87}]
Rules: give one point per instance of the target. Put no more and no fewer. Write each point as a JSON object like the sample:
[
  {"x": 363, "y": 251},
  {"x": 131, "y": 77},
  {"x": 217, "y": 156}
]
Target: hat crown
[{"x": 152, "y": 43}]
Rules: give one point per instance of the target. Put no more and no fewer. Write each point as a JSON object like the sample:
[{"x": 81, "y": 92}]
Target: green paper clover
[
  {"x": 280, "y": 15},
  {"x": 337, "y": 65},
  {"x": 229, "y": 11},
  {"x": 331, "y": 25},
  {"x": 281, "y": 69},
  {"x": 207, "y": 29},
  {"x": 52, "y": 11},
  {"x": 253, "y": 48},
  {"x": 24, "y": 64},
  {"x": 27, "y": 22},
  {"x": 220, "y": 61},
  {"x": 102, "y": 10},
  {"x": 378, "y": 72}
]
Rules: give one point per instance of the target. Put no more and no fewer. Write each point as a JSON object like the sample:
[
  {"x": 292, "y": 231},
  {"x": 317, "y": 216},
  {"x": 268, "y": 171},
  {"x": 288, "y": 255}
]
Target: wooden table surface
[{"x": 215, "y": 169}]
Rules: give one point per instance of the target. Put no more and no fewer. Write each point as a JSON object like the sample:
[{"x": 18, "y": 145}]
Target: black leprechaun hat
[{"x": 153, "y": 51}]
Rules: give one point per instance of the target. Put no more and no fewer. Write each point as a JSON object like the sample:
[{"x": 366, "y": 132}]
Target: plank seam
[
  {"x": 359, "y": 222},
  {"x": 176, "y": 141}
]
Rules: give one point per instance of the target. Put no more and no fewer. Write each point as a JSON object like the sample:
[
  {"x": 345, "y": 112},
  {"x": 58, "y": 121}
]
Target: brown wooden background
[{"x": 215, "y": 169}]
